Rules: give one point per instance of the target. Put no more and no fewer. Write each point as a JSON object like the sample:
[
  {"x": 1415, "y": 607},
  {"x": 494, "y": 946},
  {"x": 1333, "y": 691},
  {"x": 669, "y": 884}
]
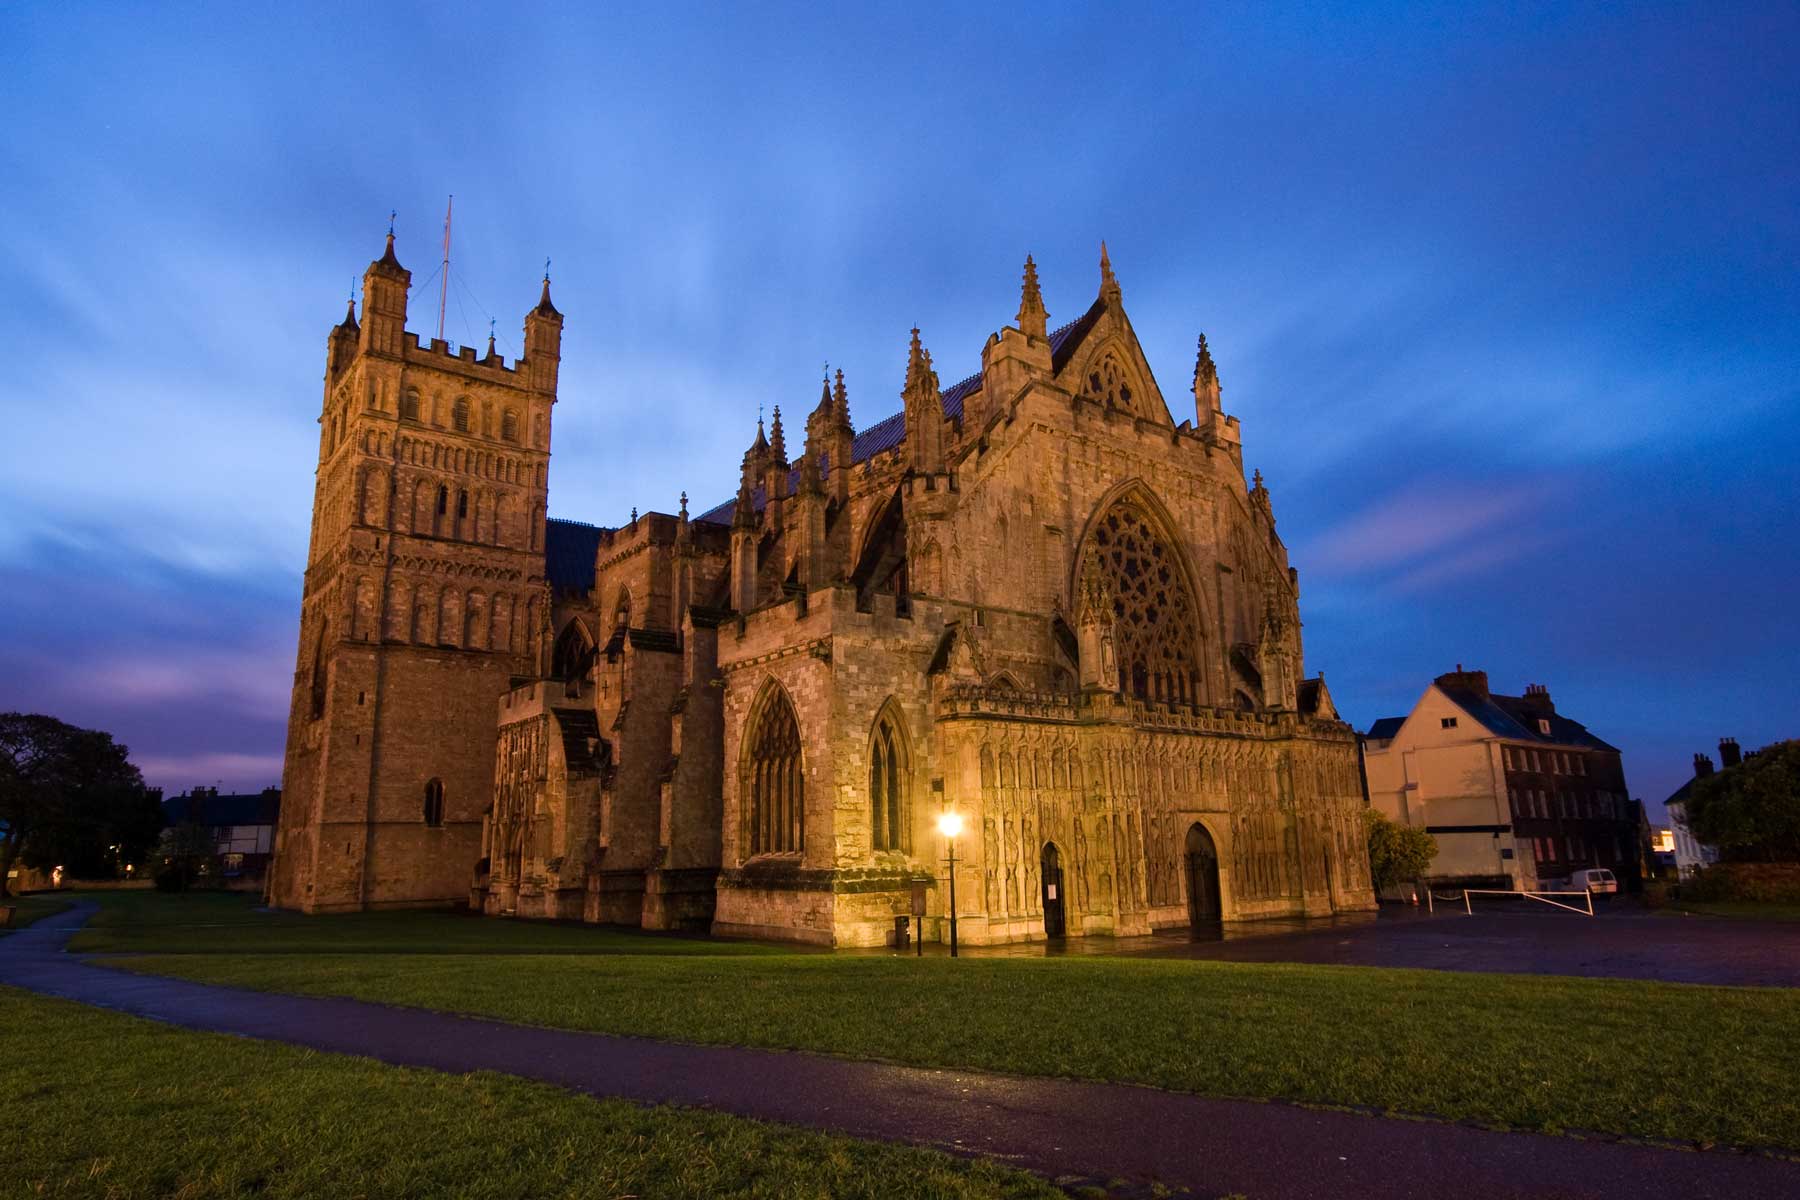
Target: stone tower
[{"x": 424, "y": 599}]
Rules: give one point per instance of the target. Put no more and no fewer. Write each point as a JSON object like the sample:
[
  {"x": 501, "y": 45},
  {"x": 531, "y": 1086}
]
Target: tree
[
  {"x": 1397, "y": 853},
  {"x": 69, "y": 797},
  {"x": 1751, "y": 812}
]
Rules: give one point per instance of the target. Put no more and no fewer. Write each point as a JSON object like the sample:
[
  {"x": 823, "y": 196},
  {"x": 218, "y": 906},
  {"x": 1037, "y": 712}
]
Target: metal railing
[{"x": 1541, "y": 897}]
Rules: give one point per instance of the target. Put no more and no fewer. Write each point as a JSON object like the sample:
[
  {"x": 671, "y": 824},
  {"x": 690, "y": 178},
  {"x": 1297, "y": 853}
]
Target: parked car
[{"x": 1597, "y": 880}]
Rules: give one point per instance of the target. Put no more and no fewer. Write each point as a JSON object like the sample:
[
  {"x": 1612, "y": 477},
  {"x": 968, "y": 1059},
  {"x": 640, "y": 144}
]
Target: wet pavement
[
  {"x": 1057, "y": 1127},
  {"x": 1621, "y": 941}
]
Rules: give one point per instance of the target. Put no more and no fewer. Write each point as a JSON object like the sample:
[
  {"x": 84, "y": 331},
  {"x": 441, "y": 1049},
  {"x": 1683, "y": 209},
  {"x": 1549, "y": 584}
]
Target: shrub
[{"x": 1397, "y": 853}]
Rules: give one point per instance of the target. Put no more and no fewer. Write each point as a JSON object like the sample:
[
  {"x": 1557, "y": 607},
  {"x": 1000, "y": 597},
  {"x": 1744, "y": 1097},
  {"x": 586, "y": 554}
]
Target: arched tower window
[
  {"x": 434, "y": 803},
  {"x": 1156, "y": 626},
  {"x": 318, "y": 672},
  {"x": 509, "y": 425},
  {"x": 887, "y": 786},
  {"x": 409, "y": 405},
  {"x": 777, "y": 794},
  {"x": 460, "y": 414}
]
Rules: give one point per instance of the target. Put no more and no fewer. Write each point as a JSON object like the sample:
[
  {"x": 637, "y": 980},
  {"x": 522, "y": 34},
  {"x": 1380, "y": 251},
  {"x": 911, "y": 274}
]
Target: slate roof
[
  {"x": 569, "y": 550},
  {"x": 1517, "y": 718},
  {"x": 210, "y": 809},
  {"x": 1384, "y": 729}
]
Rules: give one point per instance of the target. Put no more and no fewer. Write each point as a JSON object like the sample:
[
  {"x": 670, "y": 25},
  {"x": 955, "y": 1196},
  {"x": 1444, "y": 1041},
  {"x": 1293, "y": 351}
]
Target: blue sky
[{"x": 1508, "y": 300}]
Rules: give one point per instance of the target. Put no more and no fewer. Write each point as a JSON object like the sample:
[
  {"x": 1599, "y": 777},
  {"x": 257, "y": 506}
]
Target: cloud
[{"x": 1430, "y": 532}]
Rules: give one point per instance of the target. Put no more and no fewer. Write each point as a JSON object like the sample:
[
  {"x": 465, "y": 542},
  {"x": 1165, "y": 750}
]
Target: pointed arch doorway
[
  {"x": 1204, "y": 909},
  {"x": 1053, "y": 895}
]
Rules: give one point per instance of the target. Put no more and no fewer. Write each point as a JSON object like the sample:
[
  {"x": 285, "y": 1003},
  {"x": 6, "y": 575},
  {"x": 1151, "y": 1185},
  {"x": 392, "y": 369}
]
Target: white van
[{"x": 1596, "y": 880}]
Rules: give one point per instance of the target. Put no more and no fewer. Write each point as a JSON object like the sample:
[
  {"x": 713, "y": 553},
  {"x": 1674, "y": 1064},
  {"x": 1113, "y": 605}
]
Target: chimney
[
  {"x": 1729, "y": 754},
  {"x": 1537, "y": 697},
  {"x": 1702, "y": 766},
  {"x": 1474, "y": 681}
]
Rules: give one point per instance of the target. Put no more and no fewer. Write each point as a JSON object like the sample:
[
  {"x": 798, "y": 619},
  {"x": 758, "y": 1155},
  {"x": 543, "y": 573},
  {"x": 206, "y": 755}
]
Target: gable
[{"x": 1099, "y": 359}]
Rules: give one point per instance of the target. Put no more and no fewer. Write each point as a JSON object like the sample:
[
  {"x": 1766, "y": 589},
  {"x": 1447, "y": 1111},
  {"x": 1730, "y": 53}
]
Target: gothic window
[
  {"x": 462, "y": 505},
  {"x": 776, "y": 790},
  {"x": 409, "y": 405},
  {"x": 1155, "y": 620},
  {"x": 572, "y": 657},
  {"x": 1109, "y": 384},
  {"x": 434, "y": 803},
  {"x": 622, "y": 610},
  {"x": 460, "y": 414},
  {"x": 443, "y": 500},
  {"x": 509, "y": 425},
  {"x": 887, "y": 787}
]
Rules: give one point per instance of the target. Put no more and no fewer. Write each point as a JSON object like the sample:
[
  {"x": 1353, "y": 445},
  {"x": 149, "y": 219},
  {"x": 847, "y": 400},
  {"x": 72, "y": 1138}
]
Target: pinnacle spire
[
  {"x": 349, "y": 321},
  {"x": 841, "y": 398},
  {"x": 1032, "y": 318},
  {"x": 1109, "y": 284},
  {"x": 388, "y": 259},
  {"x": 544, "y": 307},
  {"x": 777, "y": 442},
  {"x": 1204, "y": 369}
]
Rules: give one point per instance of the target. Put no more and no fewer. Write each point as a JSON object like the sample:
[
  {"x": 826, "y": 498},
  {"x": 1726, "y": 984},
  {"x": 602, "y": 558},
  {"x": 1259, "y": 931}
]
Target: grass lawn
[
  {"x": 31, "y": 908},
  {"x": 230, "y": 923},
  {"x": 1656, "y": 1060},
  {"x": 103, "y": 1105}
]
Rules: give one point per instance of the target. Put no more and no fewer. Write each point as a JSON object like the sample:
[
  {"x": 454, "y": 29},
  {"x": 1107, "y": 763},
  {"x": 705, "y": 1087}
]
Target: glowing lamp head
[{"x": 950, "y": 824}]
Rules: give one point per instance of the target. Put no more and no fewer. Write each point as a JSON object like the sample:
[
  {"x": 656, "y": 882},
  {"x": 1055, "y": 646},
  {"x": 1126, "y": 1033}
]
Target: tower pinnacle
[
  {"x": 1109, "y": 284},
  {"x": 1032, "y": 319}
]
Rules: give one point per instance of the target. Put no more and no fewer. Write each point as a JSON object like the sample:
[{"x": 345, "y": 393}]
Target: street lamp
[{"x": 950, "y": 824}]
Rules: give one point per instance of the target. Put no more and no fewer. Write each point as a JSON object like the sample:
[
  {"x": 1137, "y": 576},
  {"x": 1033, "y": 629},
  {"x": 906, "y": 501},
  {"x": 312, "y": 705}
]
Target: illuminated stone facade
[{"x": 1032, "y": 597}]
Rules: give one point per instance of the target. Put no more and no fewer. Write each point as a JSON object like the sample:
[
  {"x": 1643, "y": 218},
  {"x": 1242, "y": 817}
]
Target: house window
[
  {"x": 777, "y": 792},
  {"x": 1447, "y": 723},
  {"x": 1544, "y": 726},
  {"x": 434, "y": 803}
]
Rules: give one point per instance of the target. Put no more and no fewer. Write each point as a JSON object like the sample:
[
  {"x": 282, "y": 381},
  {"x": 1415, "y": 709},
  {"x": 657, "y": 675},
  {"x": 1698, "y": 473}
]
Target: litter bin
[{"x": 902, "y": 938}]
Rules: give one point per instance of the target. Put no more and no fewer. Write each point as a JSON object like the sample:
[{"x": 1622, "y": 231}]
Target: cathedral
[{"x": 1031, "y": 599}]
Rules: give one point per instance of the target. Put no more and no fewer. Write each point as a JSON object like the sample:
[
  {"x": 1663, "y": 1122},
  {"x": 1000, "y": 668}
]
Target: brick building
[
  {"x": 1514, "y": 792},
  {"x": 1031, "y": 597}
]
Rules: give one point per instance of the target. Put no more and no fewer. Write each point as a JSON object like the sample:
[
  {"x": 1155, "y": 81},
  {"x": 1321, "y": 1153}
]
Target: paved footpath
[{"x": 1056, "y": 1127}]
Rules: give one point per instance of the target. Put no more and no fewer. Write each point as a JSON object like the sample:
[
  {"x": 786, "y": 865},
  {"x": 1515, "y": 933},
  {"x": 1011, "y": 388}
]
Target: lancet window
[
  {"x": 777, "y": 808},
  {"x": 1155, "y": 620},
  {"x": 434, "y": 802},
  {"x": 887, "y": 787}
]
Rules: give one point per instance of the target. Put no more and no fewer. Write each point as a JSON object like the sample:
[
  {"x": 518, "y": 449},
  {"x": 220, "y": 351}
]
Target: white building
[
  {"x": 1514, "y": 792},
  {"x": 1691, "y": 855}
]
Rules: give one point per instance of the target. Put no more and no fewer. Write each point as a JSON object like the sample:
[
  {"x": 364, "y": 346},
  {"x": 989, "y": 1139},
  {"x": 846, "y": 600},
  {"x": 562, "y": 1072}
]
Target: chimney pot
[
  {"x": 1729, "y": 754},
  {"x": 1703, "y": 766}
]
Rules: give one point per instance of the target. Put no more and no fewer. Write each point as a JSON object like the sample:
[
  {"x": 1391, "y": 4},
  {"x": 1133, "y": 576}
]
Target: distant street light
[{"x": 950, "y": 824}]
